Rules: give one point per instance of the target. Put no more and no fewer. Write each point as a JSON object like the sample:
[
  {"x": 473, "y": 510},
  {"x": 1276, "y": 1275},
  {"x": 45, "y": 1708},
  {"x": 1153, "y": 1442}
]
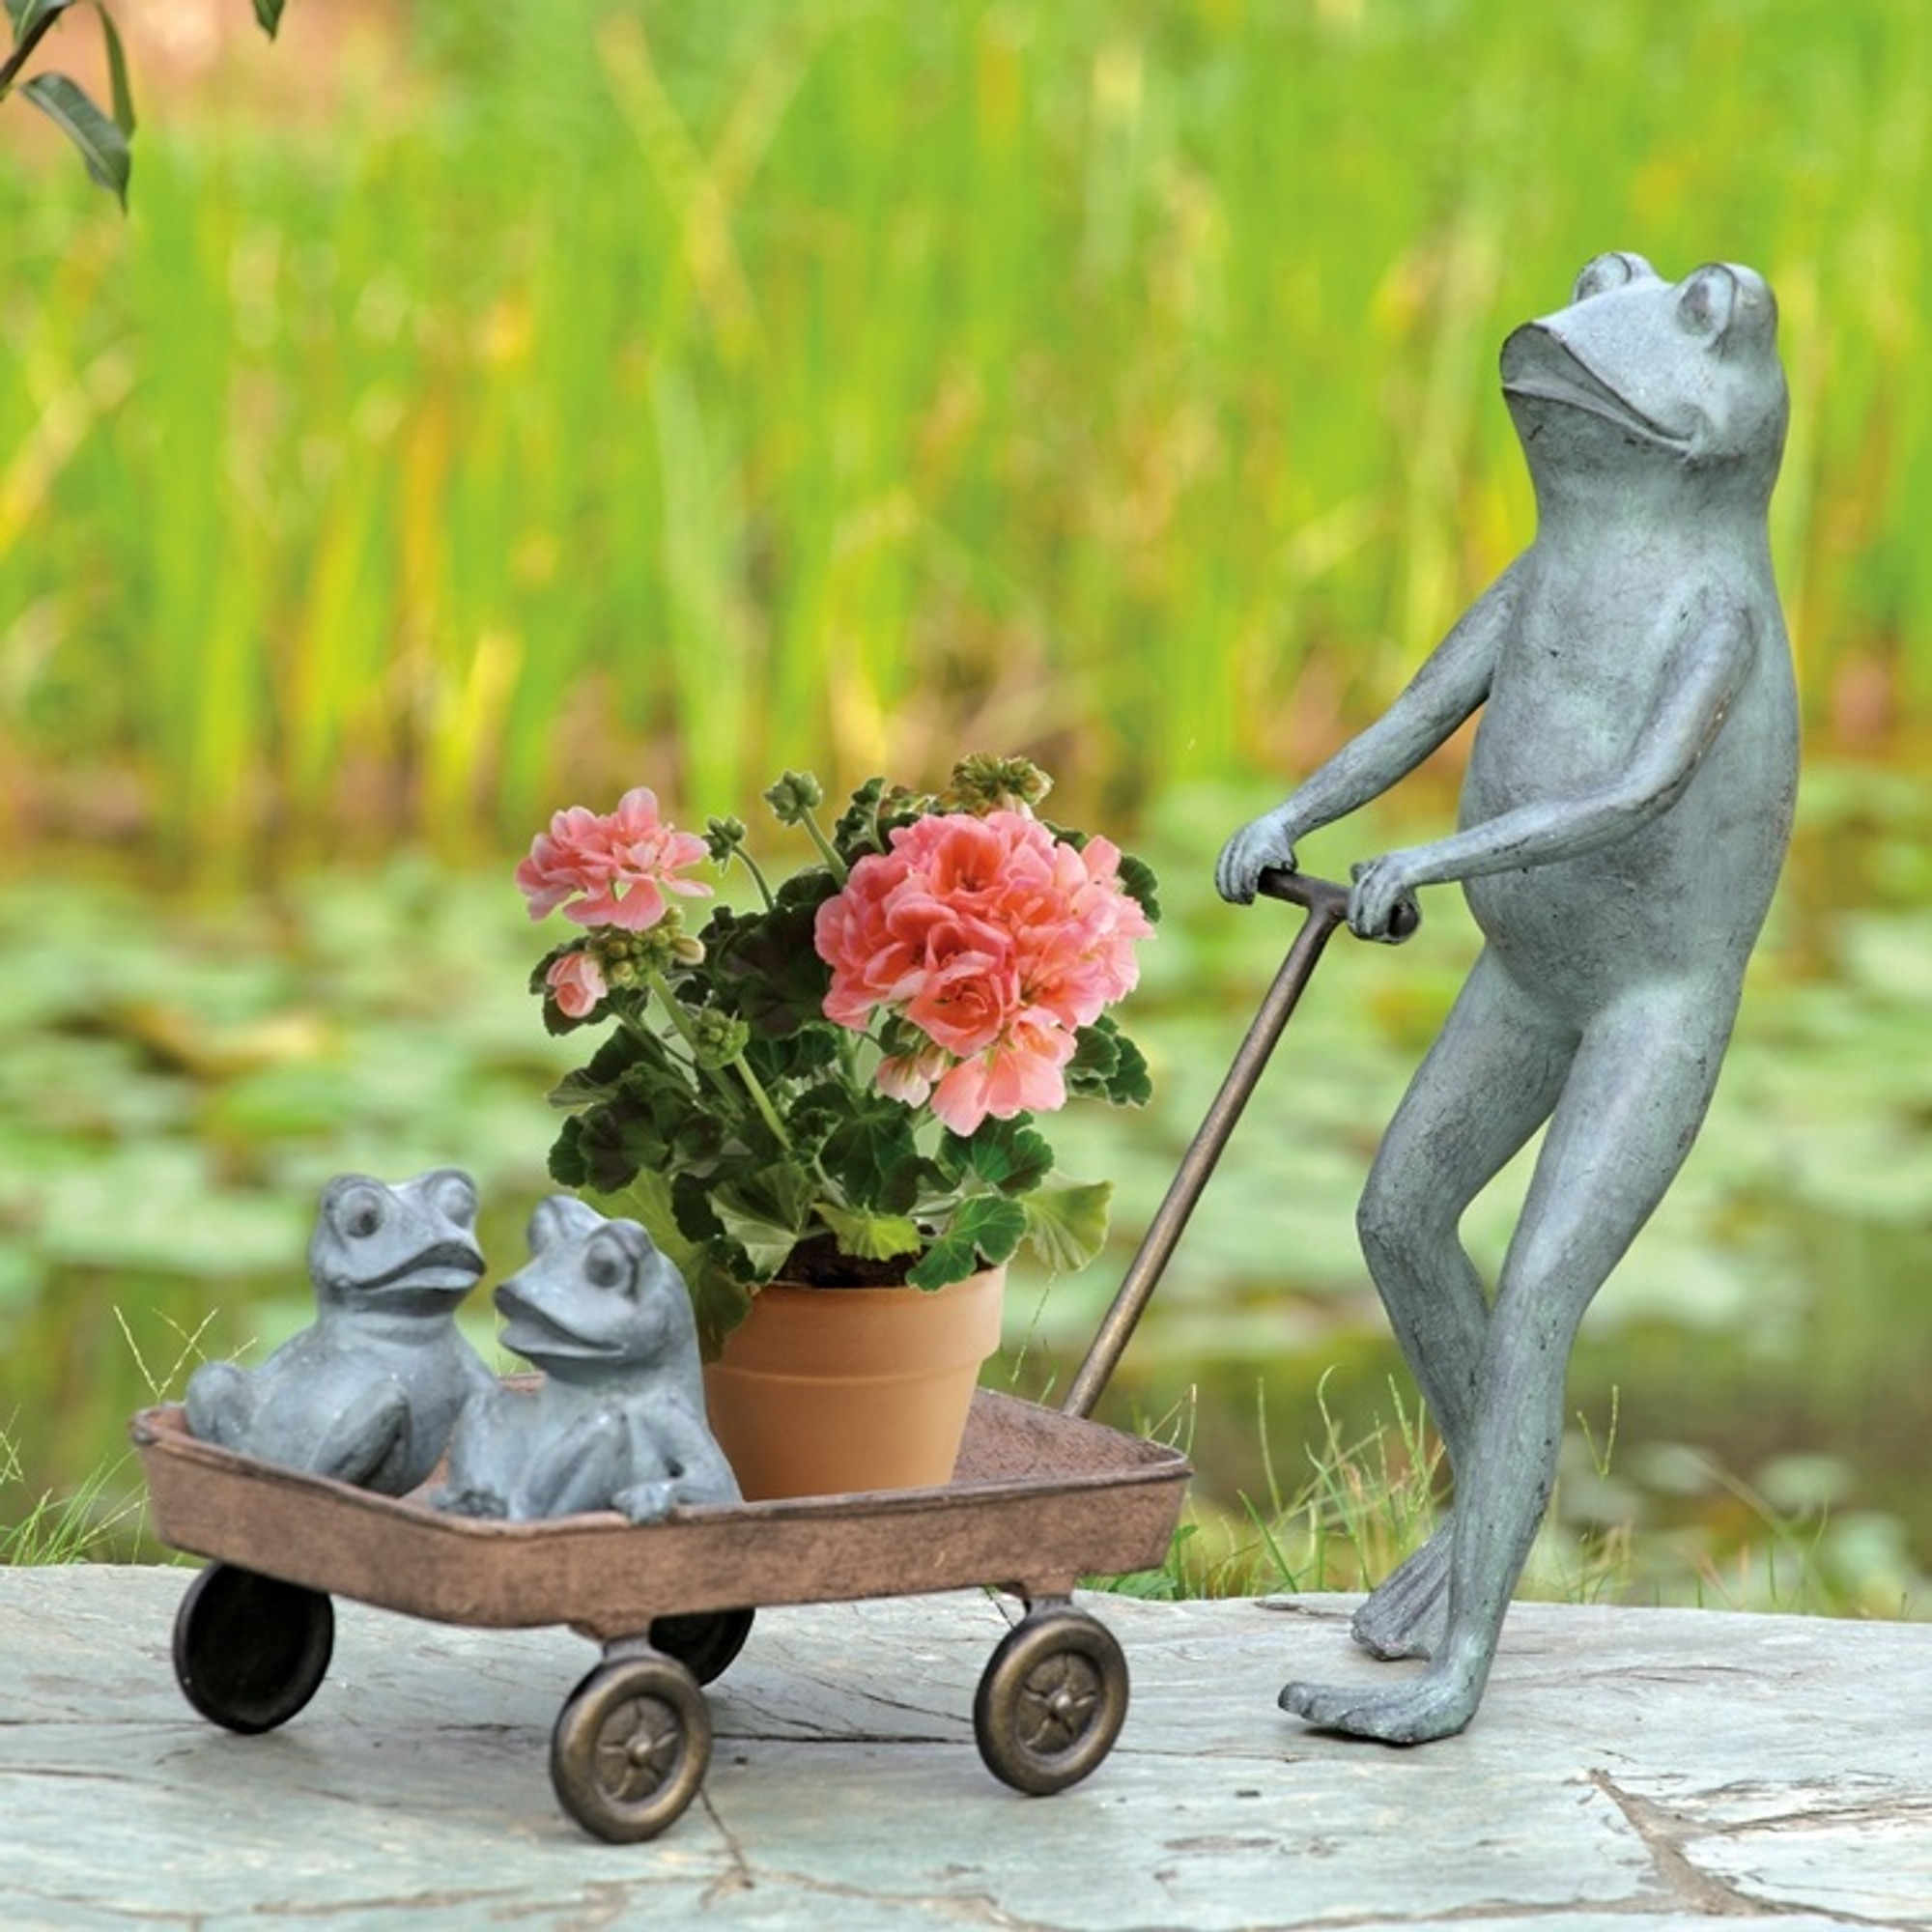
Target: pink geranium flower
[
  {"x": 610, "y": 868},
  {"x": 992, "y": 938},
  {"x": 577, "y": 982}
]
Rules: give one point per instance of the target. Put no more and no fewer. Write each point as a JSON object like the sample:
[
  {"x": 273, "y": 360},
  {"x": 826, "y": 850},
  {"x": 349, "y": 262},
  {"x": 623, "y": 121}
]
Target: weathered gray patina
[
  {"x": 1626, "y": 811},
  {"x": 617, "y": 1421},
  {"x": 369, "y": 1394}
]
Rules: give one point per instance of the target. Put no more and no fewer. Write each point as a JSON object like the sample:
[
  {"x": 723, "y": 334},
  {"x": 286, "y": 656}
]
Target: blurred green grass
[{"x": 483, "y": 404}]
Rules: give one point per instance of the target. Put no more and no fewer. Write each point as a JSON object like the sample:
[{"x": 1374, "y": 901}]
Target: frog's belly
[{"x": 1680, "y": 897}]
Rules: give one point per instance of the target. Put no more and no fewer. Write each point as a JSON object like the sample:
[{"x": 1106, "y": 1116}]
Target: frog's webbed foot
[
  {"x": 1437, "y": 1704},
  {"x": 1408, "y": 1614},
  {"x": 469, "y": 1500},
  {"x": 645, "y": 1502}
]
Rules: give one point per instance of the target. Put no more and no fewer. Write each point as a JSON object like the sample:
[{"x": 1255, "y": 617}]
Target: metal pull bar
[{"x": 1326, "y": 906}]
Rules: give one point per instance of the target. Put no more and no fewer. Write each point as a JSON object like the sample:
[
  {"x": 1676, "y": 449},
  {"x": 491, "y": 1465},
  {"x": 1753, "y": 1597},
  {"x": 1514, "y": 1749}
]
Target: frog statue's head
[
  {"x": 1651, "y": 388},
  {"x": 597, "y": 1301},
  {"x": 409, "y": 1249}
]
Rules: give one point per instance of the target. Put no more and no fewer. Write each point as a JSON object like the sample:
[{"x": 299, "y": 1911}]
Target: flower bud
[
  {"x": 794, "y": 796},
  {"x": 982, "y": 783}
]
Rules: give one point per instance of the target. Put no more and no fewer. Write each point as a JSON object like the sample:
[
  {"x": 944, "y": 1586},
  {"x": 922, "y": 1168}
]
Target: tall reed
[{"x": 584, "y": 390}]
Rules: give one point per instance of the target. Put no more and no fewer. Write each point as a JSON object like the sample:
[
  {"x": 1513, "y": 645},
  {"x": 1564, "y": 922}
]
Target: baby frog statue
[
  {"x": 617, "y": 1421},
  {"x": 370, "y": 1392},
  {"x": 1625, "y": 814}
]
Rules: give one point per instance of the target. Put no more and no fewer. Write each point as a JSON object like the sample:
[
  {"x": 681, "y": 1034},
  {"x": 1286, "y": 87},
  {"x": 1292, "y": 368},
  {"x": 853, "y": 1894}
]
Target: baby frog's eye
[
  {"x": 607, "y": 1265},
  {"x": 454, "y": 1196},
  {"x": 360, "y": 1212},
  {"x": 1610, "y": 271},
  {"x": 1704, "y": 307}
]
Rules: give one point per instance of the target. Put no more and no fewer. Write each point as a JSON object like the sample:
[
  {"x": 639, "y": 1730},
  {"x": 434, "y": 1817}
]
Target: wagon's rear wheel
[
  {"x": 249, "y": 1649},
  {"x": 706, "y": 1643},
  {"x": 630, "y": 1747},
  {"x": 1052, "y": 1701}
]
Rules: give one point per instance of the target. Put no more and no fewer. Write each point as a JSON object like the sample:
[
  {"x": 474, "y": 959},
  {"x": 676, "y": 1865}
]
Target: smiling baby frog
[
  {"x": 370, "y": 1392},
  {"x": 617, "y": 1421},
  {"x": 1625, "y": 814}
]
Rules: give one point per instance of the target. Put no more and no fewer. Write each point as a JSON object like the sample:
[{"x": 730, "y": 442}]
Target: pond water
[{"x": 1751, "y": 1427}]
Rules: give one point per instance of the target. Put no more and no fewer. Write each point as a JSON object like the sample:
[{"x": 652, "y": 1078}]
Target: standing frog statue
[
  {"x": 618, "y": 1421},
  {"x": 370, "y": 1393},
  {"x": 1625, "y": 815}
]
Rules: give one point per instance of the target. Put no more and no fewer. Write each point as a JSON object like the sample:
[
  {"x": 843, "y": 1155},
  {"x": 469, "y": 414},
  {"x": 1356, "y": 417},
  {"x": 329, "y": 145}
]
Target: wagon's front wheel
[
  {"x": 630, "y": 1747},
  {"x": 250, "y": 1651},
  {"x": 1052, "y": 1701}
]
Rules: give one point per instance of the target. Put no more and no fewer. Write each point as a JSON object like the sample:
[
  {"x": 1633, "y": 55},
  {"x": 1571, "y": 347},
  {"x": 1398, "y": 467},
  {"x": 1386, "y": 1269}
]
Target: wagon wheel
[
  {"x": 631, "y": 1747},
  {"x": 706, "y": 1643},
  {"x": 249, "y": 1649},
  {"x": 1051, "y": 1702}
]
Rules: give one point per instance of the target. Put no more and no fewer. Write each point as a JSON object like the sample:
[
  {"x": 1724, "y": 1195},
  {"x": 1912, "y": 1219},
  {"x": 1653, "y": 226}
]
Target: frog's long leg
[
  {"x": 366, "y": 1442},
  {"x": 1483, "y": 1088},
  {"x": 1629, "y": 1109}
]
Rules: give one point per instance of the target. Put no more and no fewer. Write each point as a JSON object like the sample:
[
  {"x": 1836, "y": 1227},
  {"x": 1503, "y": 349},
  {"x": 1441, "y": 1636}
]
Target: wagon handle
[{"x": 1326, "y": 906}]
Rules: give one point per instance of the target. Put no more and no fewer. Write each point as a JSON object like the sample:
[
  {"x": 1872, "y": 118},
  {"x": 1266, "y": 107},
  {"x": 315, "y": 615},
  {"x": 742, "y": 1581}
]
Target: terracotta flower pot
[{"x": 823, "y": 1391}]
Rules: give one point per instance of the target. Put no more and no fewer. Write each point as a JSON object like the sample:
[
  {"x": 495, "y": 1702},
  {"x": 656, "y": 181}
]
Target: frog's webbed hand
[
  {"x": 1381, "y": 903},
  {"x": 1263, "y": 842}
]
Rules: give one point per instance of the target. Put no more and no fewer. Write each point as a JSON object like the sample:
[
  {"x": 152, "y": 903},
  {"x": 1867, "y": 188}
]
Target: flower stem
[
  {"x": 753, "y": 1085},
  {"x": 827, "y": 851},
  {"x": 762, "y": 1100},
  {"x": 750, "y": 864}
]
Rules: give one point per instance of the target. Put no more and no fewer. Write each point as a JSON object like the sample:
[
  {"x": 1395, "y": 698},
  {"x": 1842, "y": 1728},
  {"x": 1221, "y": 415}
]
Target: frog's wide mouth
[
  {"x": 451, "y": 1266},
  {"x": 1539, "y": 365},
  {"x": 539, "y": 1336}
]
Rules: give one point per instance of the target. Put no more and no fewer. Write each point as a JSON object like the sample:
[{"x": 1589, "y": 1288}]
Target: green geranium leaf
[
  {"x": 984, "y": 1232},
  {"x": 1137, "y": 879},
  {"x": 1066, "y": 1222},
  {"x": 1007, "y": 1154},
  {"x": 871, "y": 1237},
  {"x": 647, "y": 1201},
  {"x": 1131, "y": 1085},
  {"x": 102, "y": 145},
  {"x": 766, "y": 1213},
  {"x": 873, "y": 1142},
  {"x": 1096, "y": 1054},
  {"x": 268, "y": 15},
  {"x": 1106, "y": 1065},
  {"x": 767, "y": 967}
]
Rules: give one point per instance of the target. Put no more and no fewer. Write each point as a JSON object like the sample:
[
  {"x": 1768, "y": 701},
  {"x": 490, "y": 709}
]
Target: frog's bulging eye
[
  {"x": 360, "y": 1214},
  {"x": 1709, "y": 296},
  {"x": 455, "y": 1199},
  {"x": 1614, "y": 271},
  {"x": 606, "y": 1265}
]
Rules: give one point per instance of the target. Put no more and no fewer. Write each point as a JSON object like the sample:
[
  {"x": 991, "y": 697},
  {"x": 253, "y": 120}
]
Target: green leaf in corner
[
  {"x": 1066, "y": 1222},
  {"x": 28, "y": 15},
  {"x": 103, "y": 145},
  {"x": 122, "y": 94},
  {"x": 268, "y": 15}
]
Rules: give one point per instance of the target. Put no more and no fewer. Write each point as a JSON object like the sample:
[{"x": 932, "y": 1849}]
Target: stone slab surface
[{"x": 1630, "y": 1770}]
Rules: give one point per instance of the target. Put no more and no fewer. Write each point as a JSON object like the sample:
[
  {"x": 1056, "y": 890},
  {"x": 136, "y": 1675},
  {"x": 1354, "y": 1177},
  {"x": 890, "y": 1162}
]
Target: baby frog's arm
[
  {"x": 1450, "y": 685},
  {"x": 1700, "y": 682}
]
